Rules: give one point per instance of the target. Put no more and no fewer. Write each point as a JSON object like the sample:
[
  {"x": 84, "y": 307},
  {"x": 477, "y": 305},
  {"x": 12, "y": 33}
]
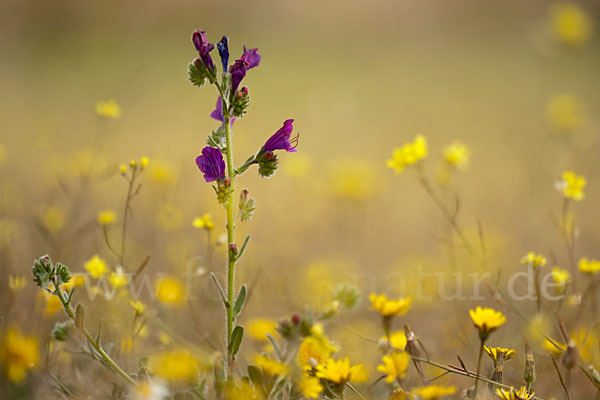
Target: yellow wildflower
[
  {"x": 434, "y": 392},
  {"x": 341, "y": 371},
  {"x": 394, "y": 365},
  {"x": 554, "y": 347},
  {"x": 138, "y": 306},
  {"x": 565, "y": 112},
  {"x": 16, "y": 283},
  {"x": 53, "y": 220},
  {"x": 487, "y": 320},
  {"x": 520, "y": 394},
  {"x": 572, "y": 185},
  {"x": 258, "y": 328},
  {"x": 398, "y": 394},
  {"x": 409, "y": 154},
  {"x": 533, "y": 259},
  {"x": 457, "y": 155},
  {"x": 18, "y": 353},
  {"x": 310, "y": 387},
  {"x": 144, "y": 161},
  {"x": 123, "y": 168},
  {"x": 271, "y": 367},
  {"x": 203, "y": 222},
  {"x": 242, "y": 390},
  {"x": 501, "y": 353},
  {"x": 118, "y": 278},
  {"x": 150, "y": 391},
  {"x": 96, "y": 266},
  {"x": 170, "y": 291},
  {"x": 161, "y": 172},
  {"x": 561, "y": 277},
  {"x": 76, "y": 281},
  {"x": 175, "y": 365},
  {"x": 589, "y": 266},
  {"x": 353, "y": 179},
  {"x": 53, "y": 305},
  {"x": 314, "y": 351},
  {"x": 108, "y": 109},
  {"x": 570, "y": 23},
  {"x": 397, "y": 341},
  {"x": 107, "y": 217},
  {"x": 387, "y": 307}
]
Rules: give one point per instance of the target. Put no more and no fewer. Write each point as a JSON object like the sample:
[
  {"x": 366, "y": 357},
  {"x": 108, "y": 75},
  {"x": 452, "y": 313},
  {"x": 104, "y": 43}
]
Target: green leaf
[
  {"x": 241, "y": 252},
  {"x": 220, "y": 289},
  {"x": 275, "y": 347},
  {"x": 239, "y": 301},
  {"x": 197, "y": 75},
  {"x": 256, "y": 376},
  {"x": 79, "y": 316},
  {"x": 236, "y": 340}
]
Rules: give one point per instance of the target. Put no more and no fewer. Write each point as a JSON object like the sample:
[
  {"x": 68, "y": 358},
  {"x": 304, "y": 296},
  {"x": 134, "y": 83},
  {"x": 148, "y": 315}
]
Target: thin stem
[
  {"x": 478, "y": 368},
  {"x": 125, "y": 213},
  {"x": 109, "y": 361},
  {"x": 355, "y": 391}
]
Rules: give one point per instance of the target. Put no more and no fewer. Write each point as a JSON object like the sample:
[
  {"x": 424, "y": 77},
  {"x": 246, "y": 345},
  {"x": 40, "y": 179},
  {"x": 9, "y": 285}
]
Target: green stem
[
  {"x": 230, "y": 220},
  {"x": 478, "y": 369},
  {"x": 109, "y": 361},
  {"x": 125, "y": 213}
]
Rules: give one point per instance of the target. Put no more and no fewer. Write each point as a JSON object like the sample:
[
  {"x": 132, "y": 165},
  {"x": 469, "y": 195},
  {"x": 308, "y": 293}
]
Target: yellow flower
[
  {"x": 341, "y": 371},
  {"x": 76, "y": 281},
  {"x": 169, "y": 217},
  {"x": 96, "y": 266},
  {"x": 150, "y": 391},
  {"x": 108, "y": 109},
  {"x": 387, "y": 307},
  {"x": 18, "y": 353},
  {"x": 138, "y": 306},
  {"x": 16, "y": 283},
  {"x": 107, "y": 217},
  {"x": 258, "y": 328},
  {"x": 203, "y": 222},
  {"x": 561, "y": 277},
  {"x": 394, "y": 365},
  {"x": 589, "y": 266},
  {"x": 533, "y": 259},
  {"x": 457, "y": 155},
  {"x": 123, "y": 168},
  {"x": 572, "y": 185},
  {"x": 53, "y": 219},
  {"x": 161, "y": 172},
  {"x": 314, "y": 351},
  {"x": 552, "y": 347},
  {"x": 409, "y": 154},
  {"x": 310, "y": 387},
  {"x": 353, "y": 179},
  {"x": 397, "y": 394},
  {"x": 501, "y": 353},
  {"x": 570, "y": 23},
  {"x": 565, "y": 112},
  {"x": 397, "y": 340},
  {"x": 175, "y": 365},
  {"x": 271, "y": 367},
  {"x": 118, "y": 278},
  {"x": 144, "y": 161},
  {"x": 487, "y": 320},
  {"x": 170, "y": 291},
  {"x": 242, "y": 390},
  {"x": 521, "y": 394},
  {"x": 433, "y": 392},
  {"x": 53, "y": 305}
]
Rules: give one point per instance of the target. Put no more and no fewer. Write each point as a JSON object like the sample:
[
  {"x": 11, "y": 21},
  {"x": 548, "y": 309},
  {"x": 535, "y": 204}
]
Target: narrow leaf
[
  {"x": 275, "y": 346},
  {"x": 220, "y": 289},
  {"x": 79, "y": 316},
  {"x": 239, "y": 302},
  {"x": 236, "y": 340}
]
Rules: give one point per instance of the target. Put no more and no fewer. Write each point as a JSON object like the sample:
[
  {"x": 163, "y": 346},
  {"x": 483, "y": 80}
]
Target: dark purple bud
[
  {"x": 251, "y": 57},
  {"x": 204, "y": 48},
  {"x": 223, "y": 47},
  {"x": 281, "y": 139},
  {"x": 238, "y": 72},
  {"x": 296, "y": 319},
  {"x": 218, "y": 112},
  {"x": 211, "y": 163}
]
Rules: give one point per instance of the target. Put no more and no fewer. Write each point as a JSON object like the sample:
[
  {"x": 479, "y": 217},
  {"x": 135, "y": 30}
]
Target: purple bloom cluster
[
  {"x": 204, "y": 48},
  {"x": 211, "y": 163},
  {"x": 250, "y": 59},
  {"x": 281, "y": 139}
]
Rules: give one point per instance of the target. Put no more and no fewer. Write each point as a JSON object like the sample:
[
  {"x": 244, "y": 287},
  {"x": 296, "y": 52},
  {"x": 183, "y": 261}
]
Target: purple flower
[
  {"x": 251, "y": 57},
  {"x": 204, "y": 48},
  {"x": 281, "y": 139},
  {"x": 218, "y": 112},
  {"x": 211, "y": 163},
  {"x": 223, "y": 47}
]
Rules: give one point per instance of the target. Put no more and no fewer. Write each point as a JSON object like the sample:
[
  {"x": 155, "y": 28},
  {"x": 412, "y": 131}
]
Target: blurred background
[{"x": 517, "y": 82}]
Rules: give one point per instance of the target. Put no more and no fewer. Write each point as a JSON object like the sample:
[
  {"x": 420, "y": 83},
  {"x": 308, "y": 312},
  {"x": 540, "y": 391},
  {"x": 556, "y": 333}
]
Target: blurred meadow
[{"x": 516, "y": 82}]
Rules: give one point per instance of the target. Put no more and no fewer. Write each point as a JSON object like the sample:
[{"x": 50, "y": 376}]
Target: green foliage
[
  {"x": 197, "y": 73},
  {"x": 239, "y": 302},
  {"x": 236, "y": 340}
]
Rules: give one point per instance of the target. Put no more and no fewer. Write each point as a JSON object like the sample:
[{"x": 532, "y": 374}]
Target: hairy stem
[{"x": 478, "y": 368}]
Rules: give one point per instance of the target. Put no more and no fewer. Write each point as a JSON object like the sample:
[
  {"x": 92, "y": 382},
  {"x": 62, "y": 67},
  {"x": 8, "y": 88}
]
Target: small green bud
[
  {"x": 246, "y": 206},
  {"x": 62, "y": 273},
  {"x": 197, "y": 73},
  {"x": 240, "y": 102},
  {"x": 61, "y": 330},
  {"x": 529, "y": 375},
  {"x": 347, "y": 295},
  {"x": 43, "y": 271},
  {"x": 267, "y": 164},
  {"x": 223, "y": 190}
]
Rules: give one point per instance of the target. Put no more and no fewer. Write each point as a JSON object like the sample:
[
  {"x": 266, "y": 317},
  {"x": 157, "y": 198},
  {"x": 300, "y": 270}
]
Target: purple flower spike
[
  {"x": 218, "y": 112},
  {"x": 251, "y": 57},
  {"x": 281, "y": 139},
  {"x": 204, "y": 48},
  {"x": 211, "y": 163},
  {"x": 238, "y": 72}
]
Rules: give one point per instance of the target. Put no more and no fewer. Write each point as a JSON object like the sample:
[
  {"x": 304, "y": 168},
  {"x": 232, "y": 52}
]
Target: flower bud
[
  {"x": 240, "y": 102},
  {"x": 569, "y": 358},
  {"x": 61, "y": 331},
  {"x": 267, "y": 164},
  {"x": 529, "y": 375},
  {"x": 296, "y": 319}
]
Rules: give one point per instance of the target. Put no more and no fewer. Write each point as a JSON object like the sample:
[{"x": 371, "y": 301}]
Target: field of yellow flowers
[{"x": 340, "y": 200}]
